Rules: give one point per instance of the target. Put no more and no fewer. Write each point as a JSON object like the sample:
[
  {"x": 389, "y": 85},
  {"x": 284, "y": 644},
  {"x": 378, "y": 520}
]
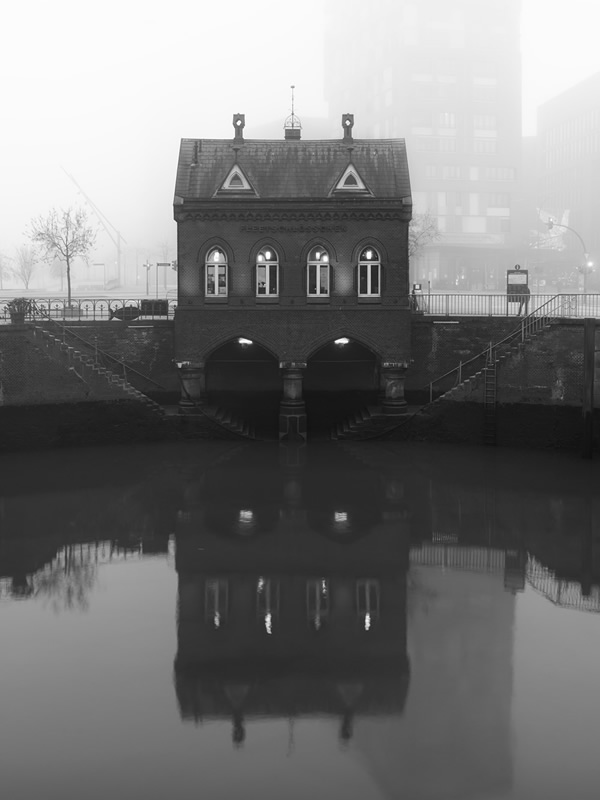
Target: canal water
[{"x": 364, "y": 622}]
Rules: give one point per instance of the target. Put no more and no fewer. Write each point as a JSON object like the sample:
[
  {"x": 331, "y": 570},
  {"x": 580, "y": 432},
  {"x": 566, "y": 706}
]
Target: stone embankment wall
[
  {"x": 547, "y": 370},
  {"x": 539, "y": 387},
  {"x": 147, "y": 347}
]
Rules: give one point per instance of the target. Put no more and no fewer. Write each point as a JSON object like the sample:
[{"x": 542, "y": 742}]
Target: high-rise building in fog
[
  {"x": 445, "y": 76},
  {"x": 569, "y": 174}
]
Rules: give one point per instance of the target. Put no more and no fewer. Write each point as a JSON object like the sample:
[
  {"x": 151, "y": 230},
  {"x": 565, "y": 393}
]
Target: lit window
[
  {"x": 216, "y": 601},
  {"x": 317, "y": 602},
  {"x": 369, "y": 273},
  {"x": 216, "y": 273},
  {"x": 267, "y": 273},
  {"x": 318, "y": 273},
  {"x": 267, "y": 602},
  {"x": 367, "y": 601}
]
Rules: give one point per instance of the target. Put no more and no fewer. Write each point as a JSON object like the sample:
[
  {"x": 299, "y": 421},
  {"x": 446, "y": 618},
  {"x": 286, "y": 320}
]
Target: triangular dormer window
[
  {"x": 236, "y": 181},
  {"x": 350, "y": 181}
]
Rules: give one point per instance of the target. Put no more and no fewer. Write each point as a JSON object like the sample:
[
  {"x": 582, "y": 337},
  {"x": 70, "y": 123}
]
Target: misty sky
[{"x": 107, "y": 91}]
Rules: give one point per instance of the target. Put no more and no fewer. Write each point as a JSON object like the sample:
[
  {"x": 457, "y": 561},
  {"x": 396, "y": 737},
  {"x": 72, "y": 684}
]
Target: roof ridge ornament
[
  {"x": 292, "y": 125},
  {"x": 347, "y": 125},
  {"x": 239, "y": 122}
]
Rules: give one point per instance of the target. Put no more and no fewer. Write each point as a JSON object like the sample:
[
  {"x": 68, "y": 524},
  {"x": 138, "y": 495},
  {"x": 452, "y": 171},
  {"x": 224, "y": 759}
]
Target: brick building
[{"x": 293, "y": 274}]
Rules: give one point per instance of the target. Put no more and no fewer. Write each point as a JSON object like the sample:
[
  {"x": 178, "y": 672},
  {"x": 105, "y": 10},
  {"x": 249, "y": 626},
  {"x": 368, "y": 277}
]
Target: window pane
[
  {"x": 261, "y": 279},
  {"x": 273, "y": 279},
  {"x": 362, "y": 279},
  {"x": 374, "y": 279},
  {"x": 222, "y": 280},
  {"x": 324, "y": 280},
  {"x": 210, "y": 280},
  {"x": 312, "y": 278}
]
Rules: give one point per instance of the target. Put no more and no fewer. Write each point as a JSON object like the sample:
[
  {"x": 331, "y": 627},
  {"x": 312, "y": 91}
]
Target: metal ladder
[{"x": 489, "y": 398}]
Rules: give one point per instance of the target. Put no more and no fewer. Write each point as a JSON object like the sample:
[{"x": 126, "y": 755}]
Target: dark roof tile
[{"x": 280, "y": 169}]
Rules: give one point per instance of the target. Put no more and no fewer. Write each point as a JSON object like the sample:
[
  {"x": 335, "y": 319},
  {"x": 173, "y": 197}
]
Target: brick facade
[{"x": 339, "y": 199}]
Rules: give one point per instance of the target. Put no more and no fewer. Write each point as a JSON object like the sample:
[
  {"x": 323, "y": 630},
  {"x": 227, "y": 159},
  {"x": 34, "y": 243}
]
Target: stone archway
[
  {"x": 341, "y": 377},
  {"x": 243, "y": 376}
]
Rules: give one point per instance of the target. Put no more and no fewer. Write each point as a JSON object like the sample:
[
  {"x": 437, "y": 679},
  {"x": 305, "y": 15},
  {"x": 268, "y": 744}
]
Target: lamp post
[
  {"x": 147, "y": 266},
  {"x": 588, "y": 264}
]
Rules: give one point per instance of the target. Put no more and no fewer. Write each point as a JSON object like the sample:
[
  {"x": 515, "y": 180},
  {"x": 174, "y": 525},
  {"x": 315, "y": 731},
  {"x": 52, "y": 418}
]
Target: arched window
[
  {"x": 267, "y": 273},
  {"x": 317, "y": 273},
  {"x": 215, "y": 273},
  {"x": 369, "y": 273}
]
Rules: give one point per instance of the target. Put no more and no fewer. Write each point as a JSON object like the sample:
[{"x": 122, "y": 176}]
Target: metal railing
[
  {"x": 96, "y": 309},
  {"x": 498, "y": 305},
  {"x": 100, "y": 357},
  {"x": 533, "y": 323},
  {"x": 565, "y": 593}
]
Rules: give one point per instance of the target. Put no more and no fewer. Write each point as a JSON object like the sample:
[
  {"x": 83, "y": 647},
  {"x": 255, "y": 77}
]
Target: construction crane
[{"x": 115, "y": 237}]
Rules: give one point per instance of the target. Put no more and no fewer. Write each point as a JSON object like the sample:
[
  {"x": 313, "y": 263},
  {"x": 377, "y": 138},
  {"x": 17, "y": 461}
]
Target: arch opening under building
[
  {"x": 341, "y": 377},
  {"x": 243, "y": 377}
]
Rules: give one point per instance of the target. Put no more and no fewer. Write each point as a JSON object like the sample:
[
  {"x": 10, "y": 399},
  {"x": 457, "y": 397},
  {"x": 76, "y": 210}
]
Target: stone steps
[
  {"x": 95, "y": 376},
  {"x": 366, "y": 423},
  {"x": 229, "y": 424}
]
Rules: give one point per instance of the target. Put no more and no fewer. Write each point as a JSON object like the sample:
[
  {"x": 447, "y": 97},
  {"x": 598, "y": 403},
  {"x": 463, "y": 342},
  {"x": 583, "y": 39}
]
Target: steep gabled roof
[{"x": 288, "y": 170}]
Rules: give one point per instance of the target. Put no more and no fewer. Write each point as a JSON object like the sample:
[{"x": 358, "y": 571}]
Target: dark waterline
[{"x": 357, "y": 621}]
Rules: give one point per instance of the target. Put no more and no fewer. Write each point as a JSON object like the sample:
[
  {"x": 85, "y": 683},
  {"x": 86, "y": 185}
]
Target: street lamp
[
  {"x": 588, "y": 264},
  {"x": 147, "y": 266}
]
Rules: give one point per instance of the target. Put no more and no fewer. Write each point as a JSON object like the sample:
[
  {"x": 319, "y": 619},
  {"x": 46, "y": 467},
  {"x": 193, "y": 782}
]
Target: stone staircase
[
  {"x": 99, "y": 381},
  {"x": 367, "y": 423},
  {"x": 227, "y": 424}
]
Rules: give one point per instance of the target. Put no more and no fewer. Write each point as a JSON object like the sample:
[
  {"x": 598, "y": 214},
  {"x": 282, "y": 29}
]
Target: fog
[{"x": 105, "y": 93}]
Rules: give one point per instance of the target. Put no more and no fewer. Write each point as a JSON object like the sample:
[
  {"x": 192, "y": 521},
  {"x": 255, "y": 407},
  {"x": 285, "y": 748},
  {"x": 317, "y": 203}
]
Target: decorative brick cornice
[{"x": 290, "y": 218}]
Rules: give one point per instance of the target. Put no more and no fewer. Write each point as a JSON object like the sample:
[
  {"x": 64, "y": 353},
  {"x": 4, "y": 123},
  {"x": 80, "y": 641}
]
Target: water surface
[{"x": 358, "y": 621}]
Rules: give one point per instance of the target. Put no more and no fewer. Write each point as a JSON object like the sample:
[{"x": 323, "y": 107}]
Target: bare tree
[
  {"x": 5, "y": 270},
  {"x": 423, "y": 230},
  {"x": 64, "y": 235},
  {"x": 68, "y": 580},
  {"x": 26, "y": 264},
  {"x": 58, "y": 270}
]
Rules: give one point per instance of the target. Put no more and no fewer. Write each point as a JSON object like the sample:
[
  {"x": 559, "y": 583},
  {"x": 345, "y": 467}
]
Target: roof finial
[{"x": 292, "y": 125}]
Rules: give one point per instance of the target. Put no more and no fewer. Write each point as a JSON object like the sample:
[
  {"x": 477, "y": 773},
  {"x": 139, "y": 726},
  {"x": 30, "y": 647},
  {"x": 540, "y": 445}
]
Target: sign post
[{"x": 517, "y": 287}]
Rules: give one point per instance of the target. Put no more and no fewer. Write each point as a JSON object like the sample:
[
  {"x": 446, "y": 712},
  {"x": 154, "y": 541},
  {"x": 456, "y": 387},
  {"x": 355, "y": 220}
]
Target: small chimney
[
  {"x": 347, "y": 125},
  {"x": 239, "y": 121}
]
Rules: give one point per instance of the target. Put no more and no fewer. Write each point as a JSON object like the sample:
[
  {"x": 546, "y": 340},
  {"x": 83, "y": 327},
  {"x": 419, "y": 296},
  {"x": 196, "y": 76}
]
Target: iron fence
[
  {"x": 499, "y": 305},
  {"x": 94, "y": 309},
  {"x": 98, "y": 309}
]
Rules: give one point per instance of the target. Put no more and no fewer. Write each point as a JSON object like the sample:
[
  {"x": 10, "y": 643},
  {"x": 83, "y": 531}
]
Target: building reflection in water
[
  {"x": 291, "y": 593},
  {"x": 371, "y": 586}
]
